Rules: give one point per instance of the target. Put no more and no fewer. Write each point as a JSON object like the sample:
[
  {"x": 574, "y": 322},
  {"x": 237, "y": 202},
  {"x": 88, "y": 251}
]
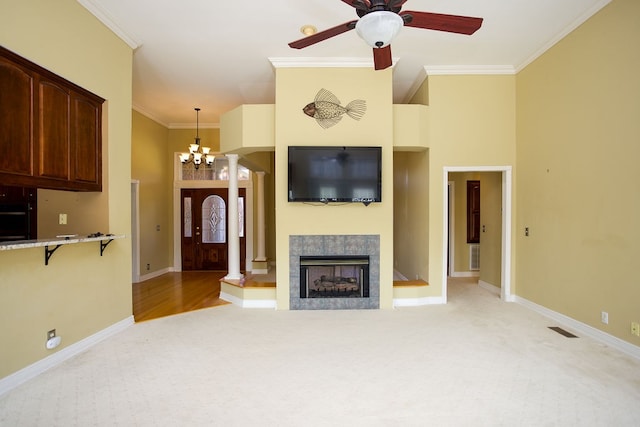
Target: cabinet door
[
  {"x": 473, "y": 211},
  {"x": 16, "y": 138},
  {"x": 50, "y": 129},
  {"x": 53, "y": 153},
  {"x": 86, "y": 136}
]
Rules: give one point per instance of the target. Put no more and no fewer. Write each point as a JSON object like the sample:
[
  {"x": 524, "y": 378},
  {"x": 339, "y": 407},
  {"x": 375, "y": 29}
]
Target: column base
[{"x": 259, "y": 266}]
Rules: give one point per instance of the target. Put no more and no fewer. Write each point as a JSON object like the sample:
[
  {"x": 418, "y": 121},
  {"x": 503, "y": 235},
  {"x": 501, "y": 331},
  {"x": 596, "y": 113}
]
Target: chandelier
[{"x": 196, "y": 152}]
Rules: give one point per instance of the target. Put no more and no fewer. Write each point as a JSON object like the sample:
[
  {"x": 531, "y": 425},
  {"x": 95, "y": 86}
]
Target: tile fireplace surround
[{"x": 330, "y": 245}]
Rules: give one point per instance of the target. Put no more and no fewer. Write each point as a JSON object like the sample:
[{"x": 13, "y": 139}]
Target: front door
[{"x": 205, "y": 224}]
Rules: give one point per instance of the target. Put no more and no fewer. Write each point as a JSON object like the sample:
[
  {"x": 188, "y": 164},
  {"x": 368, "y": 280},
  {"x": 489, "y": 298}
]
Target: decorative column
[
  {"x": 260, "y": 237},
  {"x": 234, "y": 237}
]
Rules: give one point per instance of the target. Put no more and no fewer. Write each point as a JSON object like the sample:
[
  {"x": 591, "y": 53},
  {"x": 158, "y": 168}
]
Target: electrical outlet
[
  {"x": 148, "y": 267},
  {"x": 62, "y": 219},
  {"x": 604, "y": 317},
  {"x": 635, "y": 329},
  {"x": 52, "y": 340}
]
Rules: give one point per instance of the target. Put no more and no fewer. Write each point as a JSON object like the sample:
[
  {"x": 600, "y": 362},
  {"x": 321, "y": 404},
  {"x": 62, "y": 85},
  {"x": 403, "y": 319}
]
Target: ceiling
[{"x": 217, "y": 55}]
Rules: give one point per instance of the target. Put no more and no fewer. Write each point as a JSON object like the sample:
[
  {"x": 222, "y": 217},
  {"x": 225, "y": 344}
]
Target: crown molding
[
  {"x": 193, "y": 126},
  {"x": 325, "y": 62},
  {"x": 417, "y": 82},
  {"x": 148, "y": 115},
  {"x": 104, "y": 17},
  {"x": 562, "y": 34},
  {"x": 444, "y": 70}
]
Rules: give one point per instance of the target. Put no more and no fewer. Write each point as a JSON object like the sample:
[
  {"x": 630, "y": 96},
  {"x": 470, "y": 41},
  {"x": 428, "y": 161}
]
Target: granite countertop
[{"x": 59, "y": 240}]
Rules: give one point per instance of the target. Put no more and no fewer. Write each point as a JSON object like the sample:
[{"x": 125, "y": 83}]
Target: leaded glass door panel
[{"x": 205, "y": 226}]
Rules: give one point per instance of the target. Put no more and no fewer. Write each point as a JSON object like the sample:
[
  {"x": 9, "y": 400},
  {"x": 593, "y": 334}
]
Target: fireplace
[
  {"x": 350, "y": 264},
  {"x": 345, "y": 276}
]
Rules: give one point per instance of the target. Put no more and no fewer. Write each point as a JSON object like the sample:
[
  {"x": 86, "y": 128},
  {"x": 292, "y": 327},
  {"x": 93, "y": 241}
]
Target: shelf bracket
[
  {"x": 48, "y": 252},
  {"x": 103, "y": 245}
]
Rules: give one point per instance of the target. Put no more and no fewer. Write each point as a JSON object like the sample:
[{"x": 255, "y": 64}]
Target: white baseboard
[
  {"x": 465, "y": 274},
  {"x": 14, "y": 380},
  {"x": 155, "y": 274},
  {"x": 415, "y": 302},
  {"x": 249, "y": 303},
  {"x": 582, "y": 328},
  {"x": 489, "y": 287}
]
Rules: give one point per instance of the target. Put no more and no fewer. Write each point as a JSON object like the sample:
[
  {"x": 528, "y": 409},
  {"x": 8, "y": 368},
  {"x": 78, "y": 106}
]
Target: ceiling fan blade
[
  {"x": 358, "y": 3},
  {"x": 382, "y": 57},
  {"x": 362, "y": 7},
  {"x": 395, "y": 5},
  {"x": 323, "y": 35},
  {"x": 440, "y": 22}
]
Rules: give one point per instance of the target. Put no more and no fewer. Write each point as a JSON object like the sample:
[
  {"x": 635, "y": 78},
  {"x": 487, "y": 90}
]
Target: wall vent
[{"x": 474, "y": 257}]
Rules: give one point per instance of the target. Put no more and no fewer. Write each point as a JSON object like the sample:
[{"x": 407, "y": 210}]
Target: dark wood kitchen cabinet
[{"x": 50, "y": 129}]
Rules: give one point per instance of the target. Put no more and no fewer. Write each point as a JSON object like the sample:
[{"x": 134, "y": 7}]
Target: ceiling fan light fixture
[{"x": 378, "y": 28}]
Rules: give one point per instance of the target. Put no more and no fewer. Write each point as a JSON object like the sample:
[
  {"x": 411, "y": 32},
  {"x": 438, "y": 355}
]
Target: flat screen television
[{"x": 335, "y": 174}]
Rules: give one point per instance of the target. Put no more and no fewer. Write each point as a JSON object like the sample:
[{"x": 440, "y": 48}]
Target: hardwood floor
[{"x": 174, "y": 293}]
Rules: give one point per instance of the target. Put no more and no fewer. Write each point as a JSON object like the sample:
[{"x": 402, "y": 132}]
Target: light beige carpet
[{"x": 476, "y": 361}]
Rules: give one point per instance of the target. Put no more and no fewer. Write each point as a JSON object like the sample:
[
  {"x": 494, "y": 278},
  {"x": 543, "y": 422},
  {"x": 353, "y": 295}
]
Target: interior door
[{"x": 205, "y": 225}]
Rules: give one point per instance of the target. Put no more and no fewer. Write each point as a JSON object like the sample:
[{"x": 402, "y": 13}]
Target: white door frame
[
  {"x": 451, "y": 191},
  {"x": 505, "y": 279},
  {"x": 135, "y": 231}
]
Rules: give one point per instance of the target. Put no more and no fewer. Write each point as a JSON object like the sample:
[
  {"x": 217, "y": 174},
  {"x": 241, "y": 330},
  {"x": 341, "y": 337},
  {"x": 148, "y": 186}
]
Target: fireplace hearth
[{"x": 334, "y": 277}]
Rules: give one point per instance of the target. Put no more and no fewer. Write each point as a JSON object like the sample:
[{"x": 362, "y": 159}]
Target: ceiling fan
[{"x": 381, "y": 20}]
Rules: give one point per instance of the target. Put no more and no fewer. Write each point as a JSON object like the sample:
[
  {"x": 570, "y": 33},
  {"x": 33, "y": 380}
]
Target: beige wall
[
  {"x": 411, "y": 213},
  {"x": 264, "y": 161},
  {"x": 491, "y": 232},
  {"x": 471, "y": 124},
  {"x": 578, "y": 149},
  {"x": 153, "y": 150},
  {"x": 296, "y": 87},
  {"x": 247, "y": 129},
  {"x": 87, "y": 212},
  {"x": 150, "y": 165},
  {"x": 79, "y": 293}
]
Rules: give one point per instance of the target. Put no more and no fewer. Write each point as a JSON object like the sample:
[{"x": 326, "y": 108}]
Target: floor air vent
[
  {"x": 562, "y": 332},
  {"x": 474, "y": 257}
]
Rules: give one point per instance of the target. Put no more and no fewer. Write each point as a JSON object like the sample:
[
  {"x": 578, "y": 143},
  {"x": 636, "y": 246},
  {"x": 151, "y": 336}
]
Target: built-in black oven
[{"x": 18, "y": 213}]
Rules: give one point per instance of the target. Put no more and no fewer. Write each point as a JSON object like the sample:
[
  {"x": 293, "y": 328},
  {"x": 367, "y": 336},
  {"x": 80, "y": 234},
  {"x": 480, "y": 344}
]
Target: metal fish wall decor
[{"x": 328, "y": 111}]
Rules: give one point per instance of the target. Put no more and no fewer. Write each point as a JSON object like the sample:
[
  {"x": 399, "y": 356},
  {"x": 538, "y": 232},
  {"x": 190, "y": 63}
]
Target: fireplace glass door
[{"x": 334, "y": 277}]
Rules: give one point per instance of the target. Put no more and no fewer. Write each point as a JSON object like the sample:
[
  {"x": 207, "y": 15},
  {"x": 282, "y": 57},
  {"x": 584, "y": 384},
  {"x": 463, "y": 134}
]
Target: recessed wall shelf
[{"x": 103, "y": 240}]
